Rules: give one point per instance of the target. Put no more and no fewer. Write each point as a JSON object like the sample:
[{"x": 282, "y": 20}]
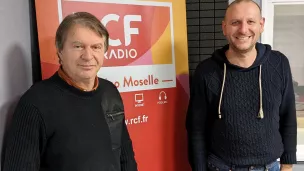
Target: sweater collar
[{"x": 68, "y": 80}]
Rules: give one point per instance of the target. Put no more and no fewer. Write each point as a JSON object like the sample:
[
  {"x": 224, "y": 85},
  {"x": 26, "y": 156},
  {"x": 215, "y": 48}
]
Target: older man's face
[{"x": 82, "y": 54}]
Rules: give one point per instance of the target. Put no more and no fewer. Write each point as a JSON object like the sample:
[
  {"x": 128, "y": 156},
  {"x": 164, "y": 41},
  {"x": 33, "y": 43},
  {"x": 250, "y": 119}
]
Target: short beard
[{"x": 235, "y": 49}]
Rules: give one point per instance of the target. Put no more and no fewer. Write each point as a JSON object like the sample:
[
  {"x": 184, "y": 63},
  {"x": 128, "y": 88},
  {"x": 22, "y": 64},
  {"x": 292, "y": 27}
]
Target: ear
[
  {"x": 224, "y": 27},
  {"x": 59, "y": 54},
  {"x": 262, "y": 24}
]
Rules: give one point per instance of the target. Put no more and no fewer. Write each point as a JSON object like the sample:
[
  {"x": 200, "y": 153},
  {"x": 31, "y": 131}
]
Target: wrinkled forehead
[{"x": 84, "y": 34}]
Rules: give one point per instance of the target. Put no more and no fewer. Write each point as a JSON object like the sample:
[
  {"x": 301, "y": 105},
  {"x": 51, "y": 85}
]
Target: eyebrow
[
  {"x": 78, "y": 42},
  {"x": 97, "y": 44},
  {"x": 240, "y": 19}
]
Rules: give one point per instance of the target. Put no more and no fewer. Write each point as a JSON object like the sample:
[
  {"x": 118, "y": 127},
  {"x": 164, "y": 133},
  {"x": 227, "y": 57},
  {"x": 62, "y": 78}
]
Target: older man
[{"x": 73, "y": 121}]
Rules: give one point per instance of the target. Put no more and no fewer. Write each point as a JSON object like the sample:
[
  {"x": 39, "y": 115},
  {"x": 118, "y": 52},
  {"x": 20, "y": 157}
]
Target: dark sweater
[
  {"x": 57, "y": 127},
  {"x": 229, "y": 127}
]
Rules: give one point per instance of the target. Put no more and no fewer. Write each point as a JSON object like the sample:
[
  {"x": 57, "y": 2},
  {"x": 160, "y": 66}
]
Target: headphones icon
[{"x": 160, "y": 95}]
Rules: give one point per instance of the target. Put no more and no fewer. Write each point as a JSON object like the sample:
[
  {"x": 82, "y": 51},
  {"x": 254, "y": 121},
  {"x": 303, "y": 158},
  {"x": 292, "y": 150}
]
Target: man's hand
[{"x": 286, "y": 167}]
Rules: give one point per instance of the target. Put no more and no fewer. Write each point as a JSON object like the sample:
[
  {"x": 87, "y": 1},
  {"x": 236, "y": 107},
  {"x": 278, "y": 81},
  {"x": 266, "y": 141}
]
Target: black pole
[{"x": 36, "y": 66}]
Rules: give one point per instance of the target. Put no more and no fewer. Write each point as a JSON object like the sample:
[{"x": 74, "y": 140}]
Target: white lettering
[
  {"x": 127, "y": 28},
  {"x": 134, "y": 55},
  {"x": 105, "y": 20},
  {"x": 121, "y": 54}
]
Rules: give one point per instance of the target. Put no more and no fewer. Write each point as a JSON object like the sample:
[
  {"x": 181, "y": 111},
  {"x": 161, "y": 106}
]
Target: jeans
[{"x": 216, "y": 164}]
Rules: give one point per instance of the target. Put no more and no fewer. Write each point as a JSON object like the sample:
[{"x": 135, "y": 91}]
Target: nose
[
  {"x": 243, "y": 28},
  {"x": 87, "y": 54}
]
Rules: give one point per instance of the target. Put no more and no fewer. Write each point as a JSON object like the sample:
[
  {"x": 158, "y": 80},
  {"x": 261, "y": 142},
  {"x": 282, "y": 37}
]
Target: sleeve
[
  {"x": 127, "y": 158},
  {"x": 24, "y": 141},
  {"x": 196, "y": 123},
  {"x": 288, "y": 119}
]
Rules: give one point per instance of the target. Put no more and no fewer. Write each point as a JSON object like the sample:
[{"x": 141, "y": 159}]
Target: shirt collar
[{"x": 68, "y": 80}]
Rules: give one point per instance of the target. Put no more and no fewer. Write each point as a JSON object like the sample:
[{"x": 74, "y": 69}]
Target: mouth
[
  {"x": 242, "y": 38},
  {"x": 87, "y": 67}
]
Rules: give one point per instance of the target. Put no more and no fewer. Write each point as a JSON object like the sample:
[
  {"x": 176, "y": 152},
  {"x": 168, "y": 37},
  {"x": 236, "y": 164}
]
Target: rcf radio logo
[{"x": 133, "y": 28}]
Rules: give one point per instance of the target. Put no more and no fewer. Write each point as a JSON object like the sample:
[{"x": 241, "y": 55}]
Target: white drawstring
[
  {"x": 223, "y": 84},
  {"x": 261, "y": 113}
]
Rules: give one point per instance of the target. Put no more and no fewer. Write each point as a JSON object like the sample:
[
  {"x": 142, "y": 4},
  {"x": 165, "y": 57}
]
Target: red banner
[{"x": 148, "y": 62}]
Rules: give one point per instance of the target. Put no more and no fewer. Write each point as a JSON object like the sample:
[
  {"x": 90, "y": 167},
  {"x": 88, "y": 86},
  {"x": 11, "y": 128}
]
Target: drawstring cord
[
  {"x": 261, "y": 113},
  {"x": 223, "y": 84}
]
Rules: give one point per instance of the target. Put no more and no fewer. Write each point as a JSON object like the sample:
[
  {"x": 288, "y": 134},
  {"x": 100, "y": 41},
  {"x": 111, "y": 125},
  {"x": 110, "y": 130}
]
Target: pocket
[
  {"x": 275, "y": 167},
  {"x": 115, "y": 123},
  {"x": 211, "y": 167},
  {"x": 217, "y": 164}
]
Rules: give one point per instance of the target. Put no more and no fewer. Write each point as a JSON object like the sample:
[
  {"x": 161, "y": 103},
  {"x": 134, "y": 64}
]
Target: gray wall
[{"x": 15, "y": 57}]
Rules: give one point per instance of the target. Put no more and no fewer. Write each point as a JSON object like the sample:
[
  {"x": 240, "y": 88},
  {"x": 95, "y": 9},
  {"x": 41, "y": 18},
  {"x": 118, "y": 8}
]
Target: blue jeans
[{"x": 216, "y": 164}]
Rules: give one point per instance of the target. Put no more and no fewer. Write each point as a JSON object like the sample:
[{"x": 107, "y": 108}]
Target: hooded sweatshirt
[{"x": 244, "y": 116}]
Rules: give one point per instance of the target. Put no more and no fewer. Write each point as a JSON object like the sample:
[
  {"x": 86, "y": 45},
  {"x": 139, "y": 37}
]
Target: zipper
[{"x": 112, "y": 114}]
